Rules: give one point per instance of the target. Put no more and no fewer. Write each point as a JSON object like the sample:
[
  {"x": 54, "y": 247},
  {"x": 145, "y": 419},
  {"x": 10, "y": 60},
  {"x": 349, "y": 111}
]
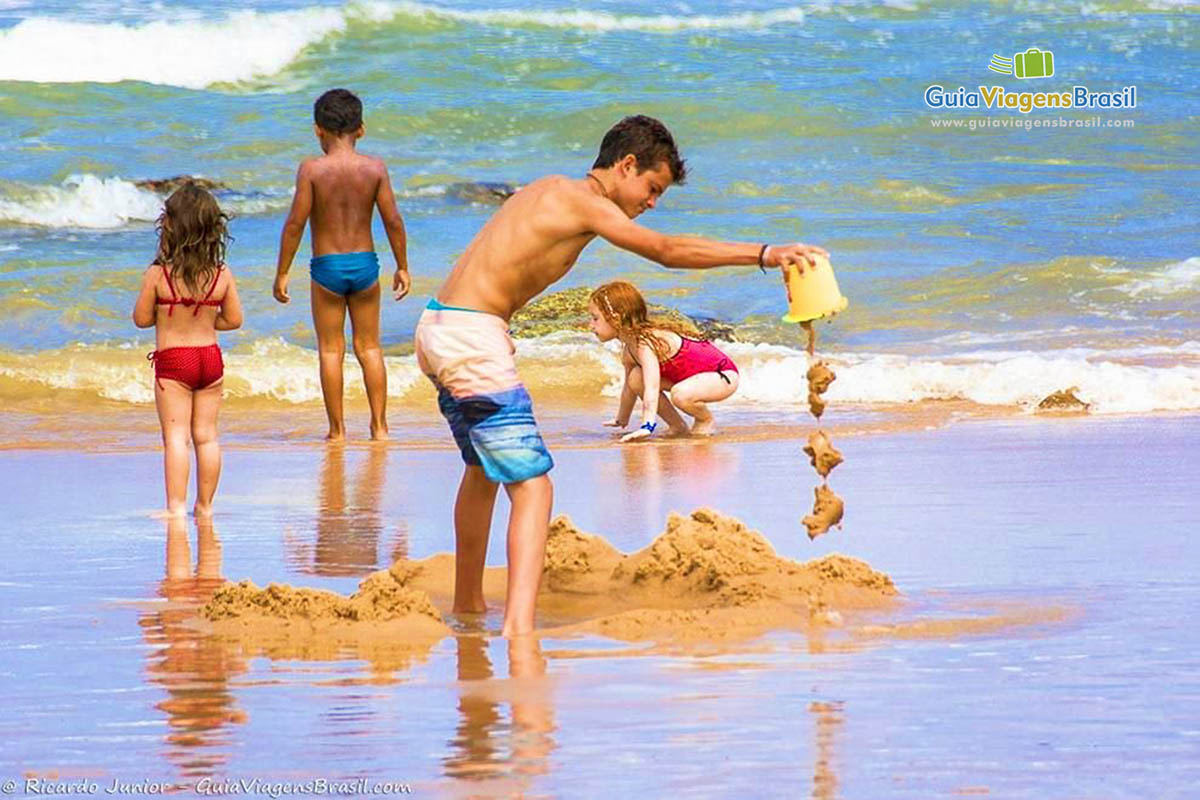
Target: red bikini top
[{"x": 176, "y": 300}]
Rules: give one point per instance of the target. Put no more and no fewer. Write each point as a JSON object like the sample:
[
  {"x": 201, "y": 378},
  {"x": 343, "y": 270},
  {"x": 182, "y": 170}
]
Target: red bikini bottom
[{"x": 194, "y": 367}]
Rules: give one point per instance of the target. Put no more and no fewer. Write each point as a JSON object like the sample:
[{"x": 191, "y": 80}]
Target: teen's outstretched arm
[{"x": 690, "y": 252}]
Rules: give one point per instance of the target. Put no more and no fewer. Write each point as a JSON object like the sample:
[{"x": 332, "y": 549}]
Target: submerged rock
[
  {"x": 567, "y": 311},
  {"x": 168, "y": 185},
  {"x": 1064, "y": 401},
  {"x": 481, "y": 191}
]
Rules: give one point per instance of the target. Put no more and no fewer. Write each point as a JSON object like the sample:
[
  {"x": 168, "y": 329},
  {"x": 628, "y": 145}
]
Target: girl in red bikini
[
  {"x": 665, "y": 364},
  {"x": 188, "y": 294}
]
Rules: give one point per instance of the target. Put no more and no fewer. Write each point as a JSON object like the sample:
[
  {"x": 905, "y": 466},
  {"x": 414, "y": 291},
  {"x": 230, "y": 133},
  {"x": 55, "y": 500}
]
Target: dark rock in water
[
  {"x": 481, "y": 192},
  {"x": 567, "y": 311},
  {"x": 716, "y": 329},
  {"x": 557, "y": 311},
  {"x": 168, "y": 185},
  {"x": 1064, "y": 401}
]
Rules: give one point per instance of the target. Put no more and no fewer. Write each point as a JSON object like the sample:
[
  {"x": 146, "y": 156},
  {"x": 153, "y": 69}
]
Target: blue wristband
[{"x": 649, "y": 426}]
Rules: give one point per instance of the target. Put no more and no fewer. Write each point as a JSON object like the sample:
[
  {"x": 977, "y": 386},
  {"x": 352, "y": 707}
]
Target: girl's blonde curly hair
[{"x": 623, "y": 307}]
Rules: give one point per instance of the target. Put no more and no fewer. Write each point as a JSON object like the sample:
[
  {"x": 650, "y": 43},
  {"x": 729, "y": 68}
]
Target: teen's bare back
[{"x": 531, "y": 242}]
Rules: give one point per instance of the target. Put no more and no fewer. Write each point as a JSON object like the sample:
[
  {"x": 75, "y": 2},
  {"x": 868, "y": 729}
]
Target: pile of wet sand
[{"x": 707, "y": 577}]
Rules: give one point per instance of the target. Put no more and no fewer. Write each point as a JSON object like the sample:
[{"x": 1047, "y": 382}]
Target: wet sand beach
[{"x": 1037, "y": 644}]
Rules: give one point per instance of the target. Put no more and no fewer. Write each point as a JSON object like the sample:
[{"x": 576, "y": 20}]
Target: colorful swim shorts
[
  {"x": 345, "y": 273},
  {"x": 469, "y": 357}
]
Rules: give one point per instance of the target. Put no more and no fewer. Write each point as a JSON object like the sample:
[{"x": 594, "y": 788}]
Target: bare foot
[
  {"x": 335, "y": 436},
  {"x": 704, "y": 427},
  {"x": 203, "y": 510},
  {"x": 679, "y": 431},
  {"x": 379, "y": 434},
  {"x": 177, "y": 511}
]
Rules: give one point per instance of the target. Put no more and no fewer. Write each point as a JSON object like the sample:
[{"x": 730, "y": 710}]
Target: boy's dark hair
[
  {"x": 338, "y": 111},
  {"x": 648, "y": 140}
]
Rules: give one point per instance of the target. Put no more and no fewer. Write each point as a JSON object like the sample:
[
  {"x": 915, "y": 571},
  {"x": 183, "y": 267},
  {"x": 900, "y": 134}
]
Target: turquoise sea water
[{"x": 798, "y": 121}]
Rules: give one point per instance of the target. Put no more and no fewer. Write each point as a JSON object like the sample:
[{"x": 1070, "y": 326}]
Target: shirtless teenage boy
[
  {"x": 463, "y": 345},
  {"x": 340, "y": 190}
]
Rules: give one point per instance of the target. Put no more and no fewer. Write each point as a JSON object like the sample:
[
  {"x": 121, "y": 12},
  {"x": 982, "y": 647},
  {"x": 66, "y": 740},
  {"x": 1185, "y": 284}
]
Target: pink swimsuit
[{"x": 696, "y": 356}]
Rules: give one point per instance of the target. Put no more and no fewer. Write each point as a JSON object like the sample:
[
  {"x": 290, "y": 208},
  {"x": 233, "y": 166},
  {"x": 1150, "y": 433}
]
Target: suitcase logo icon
[{"x": 1033, "y": 63}]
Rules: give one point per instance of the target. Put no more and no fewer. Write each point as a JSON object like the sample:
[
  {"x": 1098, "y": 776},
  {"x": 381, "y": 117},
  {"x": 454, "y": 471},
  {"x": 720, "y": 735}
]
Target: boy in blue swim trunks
[
  {"x": 340, "y": 191},
  {"x": 463, "y": 346}
]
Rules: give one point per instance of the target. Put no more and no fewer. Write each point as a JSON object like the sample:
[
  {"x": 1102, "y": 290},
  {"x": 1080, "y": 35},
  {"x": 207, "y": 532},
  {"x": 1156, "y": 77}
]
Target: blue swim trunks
[
  {"x": 345, "y": 273},
  {"x": 469, "y": 357}
]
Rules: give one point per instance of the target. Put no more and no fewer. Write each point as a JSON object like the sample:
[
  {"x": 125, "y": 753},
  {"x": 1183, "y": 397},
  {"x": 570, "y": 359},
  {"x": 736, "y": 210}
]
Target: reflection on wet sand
[
  {"x": 192, "y": 668},
  {"x": 828, "y": 719},
  {"x": 648, "y": 470},
  {"x": 486, "y": 748},
  {"x": 348, "y": 528}
]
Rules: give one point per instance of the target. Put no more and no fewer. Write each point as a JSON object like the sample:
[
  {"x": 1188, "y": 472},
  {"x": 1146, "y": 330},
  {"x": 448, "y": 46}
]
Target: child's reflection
[
  {"x": 659, "y": 477},
  {"x": 349, "y": 525},
  {"x": 194, "y": 669},
  {"x": 486, "y": 748}
]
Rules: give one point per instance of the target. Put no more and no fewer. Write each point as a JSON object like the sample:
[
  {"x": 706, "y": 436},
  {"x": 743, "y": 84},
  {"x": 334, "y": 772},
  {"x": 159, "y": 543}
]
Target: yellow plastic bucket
[{"x": 813, "y": 294}]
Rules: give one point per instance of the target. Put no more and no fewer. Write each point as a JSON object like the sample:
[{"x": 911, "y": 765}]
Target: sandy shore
[{"x": 1042, "y": 563}]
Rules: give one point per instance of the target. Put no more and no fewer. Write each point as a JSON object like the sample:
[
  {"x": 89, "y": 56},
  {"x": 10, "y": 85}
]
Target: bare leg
[
  {"x": 527, "y": 525},
  {"x": 472, "y": 524},
  {"x": 329, "y": 320},
  {"x": 692, "y": 394},
  {"x": 179, "y": 554},
  {"x": 532, "y": 711},
  {"x": 675, "y": 423},
  {"x": 174, "y": 403},
  {"x": 364, "y": 322},
  {"x": 205, "y": 404}
]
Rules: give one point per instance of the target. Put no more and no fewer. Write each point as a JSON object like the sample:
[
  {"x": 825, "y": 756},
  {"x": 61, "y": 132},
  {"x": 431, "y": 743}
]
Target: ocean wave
[
  {"x": 1172, "y": 279},
  {"x": 82, "y": 201},
  {"x": 191, "y": 53},
  {"x": 94, "y": 202},
  {"x": 196, "y": 53},
  {"x": 603, "y": 21},
  {"x": 570, "y": 367}
]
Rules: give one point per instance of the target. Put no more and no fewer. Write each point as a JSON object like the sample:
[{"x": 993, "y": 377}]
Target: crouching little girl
[{"x": 665, "y": 365}]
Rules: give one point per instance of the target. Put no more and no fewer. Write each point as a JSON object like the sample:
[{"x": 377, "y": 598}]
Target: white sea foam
[
  {"x": 776, "y": 374},
  {"x": 196, "y": 53},
  {"x": 91, "y": 201},
  {"x": 603, "y": 21},
  {"x": 190, "y": 53},
  {"x": 1010, "y": 379},
  {"x": 1181, "y": 276},
  {"x": 770, "y": 374},
  {"x": 268, "y": 368},
  {"x": 82, "y": 201}
]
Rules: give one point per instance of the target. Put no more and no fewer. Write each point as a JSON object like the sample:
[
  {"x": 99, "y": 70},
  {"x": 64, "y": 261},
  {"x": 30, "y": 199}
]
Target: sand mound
[
  {"x": 311, "y": 622},
  {"x": 707, "y": 577}
]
